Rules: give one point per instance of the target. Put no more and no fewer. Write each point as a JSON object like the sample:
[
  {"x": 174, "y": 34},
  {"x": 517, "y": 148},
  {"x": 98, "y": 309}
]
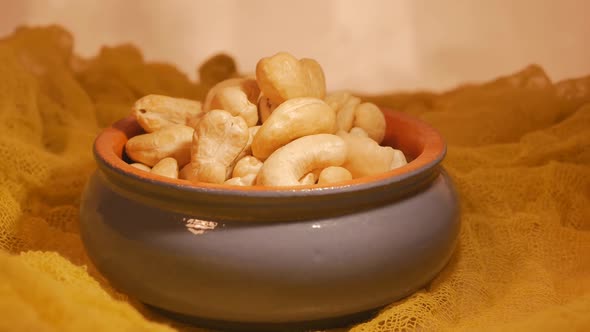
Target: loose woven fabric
[{"x": 519, "y": 153}]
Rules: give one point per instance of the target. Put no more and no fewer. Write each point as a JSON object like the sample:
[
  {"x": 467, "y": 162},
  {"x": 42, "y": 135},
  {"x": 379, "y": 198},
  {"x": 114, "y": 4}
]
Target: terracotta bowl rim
[{"x": 109, "y": 144}]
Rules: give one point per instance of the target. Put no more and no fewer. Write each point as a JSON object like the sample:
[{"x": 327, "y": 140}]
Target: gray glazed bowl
[{"x": 256, "y": 257}]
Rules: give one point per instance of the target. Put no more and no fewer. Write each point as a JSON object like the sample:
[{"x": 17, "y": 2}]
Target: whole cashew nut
[
  {"x": 237, "y": 96},
  {"x": 287, "y": 165},
  {"x": 154, "y": 112},
  {"x": 366, "y": 157},
  {"x": 292, "y": 119},
  {"x": 166, "y": 167},
  {"x": 282, "y": 77},
  {"x": 171, "y": 141},
  {"x": 334, "y": 174},
  {"x": 218, "y": 140}
]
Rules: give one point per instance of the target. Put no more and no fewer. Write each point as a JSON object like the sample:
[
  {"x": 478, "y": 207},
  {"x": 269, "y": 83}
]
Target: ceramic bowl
[{"x": 256, "y": 256}]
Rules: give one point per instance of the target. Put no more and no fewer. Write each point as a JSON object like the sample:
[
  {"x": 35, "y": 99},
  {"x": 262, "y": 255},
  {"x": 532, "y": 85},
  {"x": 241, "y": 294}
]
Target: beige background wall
[{"x": 367, "y": 45}]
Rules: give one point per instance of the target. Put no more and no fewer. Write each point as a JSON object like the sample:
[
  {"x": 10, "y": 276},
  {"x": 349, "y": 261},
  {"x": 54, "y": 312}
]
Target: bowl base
[{"x": 321, "y": 324}]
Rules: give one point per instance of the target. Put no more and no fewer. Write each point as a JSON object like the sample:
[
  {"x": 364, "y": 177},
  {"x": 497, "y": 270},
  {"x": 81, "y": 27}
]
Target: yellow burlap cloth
[{"x": 519, "y": 153}]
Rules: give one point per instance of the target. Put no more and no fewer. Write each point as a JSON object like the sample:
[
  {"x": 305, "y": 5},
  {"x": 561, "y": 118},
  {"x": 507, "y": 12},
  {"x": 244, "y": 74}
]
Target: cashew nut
[
  {"x": 218, "y": 140},
  {"x": 248, "y": 180},
  {"x": 238, "y": 96},
  {"x": 282, "y": 77},
  {"x": 292, "y": 119},
  {"x": 287, "y": 165},
  {"x": 166, "y": 167},
  {"x": 370, "y": 118},
  {"x": 334, "y": 174},
  {"x": 154, "y": 112},
  {"x": 171, "y": 141},
  {"x": 141, "y": 167},
  {"x": 365, "y": 156}
]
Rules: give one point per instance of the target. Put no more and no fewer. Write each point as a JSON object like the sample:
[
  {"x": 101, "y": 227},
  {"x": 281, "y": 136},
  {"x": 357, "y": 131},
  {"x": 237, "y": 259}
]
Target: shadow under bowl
[{"x": 271, "y": 256}]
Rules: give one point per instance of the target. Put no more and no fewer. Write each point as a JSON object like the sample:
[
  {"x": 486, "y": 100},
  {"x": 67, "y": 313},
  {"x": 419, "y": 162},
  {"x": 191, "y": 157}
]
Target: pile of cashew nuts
[{"x": 278, "y": 129}]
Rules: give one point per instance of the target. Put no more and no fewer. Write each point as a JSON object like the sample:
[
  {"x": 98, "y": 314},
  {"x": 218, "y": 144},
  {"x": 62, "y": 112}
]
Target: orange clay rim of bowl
[{"x": 423, "y": 146}]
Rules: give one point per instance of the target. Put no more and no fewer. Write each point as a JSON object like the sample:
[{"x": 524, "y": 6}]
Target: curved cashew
[
  {"x": 166, "y": 167},
  {"x": 142, "y": 167},
  {"x": 292, "y": 119},
  {"x": 248, "y": 180},
  {"x": 171, "y": 141},
  {"x": 287, "y": 165},
  {"x": 282, "y": 77},
  {"x": 218, "y": 140},
  {"x": 154, "y": 112},
  {"x": 334, "y": 174},
  {"x": 370, "y": 118},
  {"x": 238, "y": 96},
  {"x": 365, "y": 156}
]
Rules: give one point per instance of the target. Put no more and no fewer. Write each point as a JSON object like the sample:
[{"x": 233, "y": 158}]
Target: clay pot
[{"x": 256, "y": 256}]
